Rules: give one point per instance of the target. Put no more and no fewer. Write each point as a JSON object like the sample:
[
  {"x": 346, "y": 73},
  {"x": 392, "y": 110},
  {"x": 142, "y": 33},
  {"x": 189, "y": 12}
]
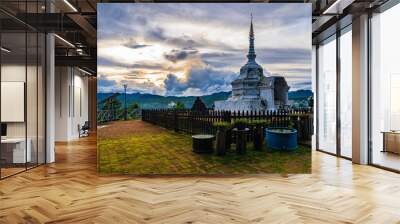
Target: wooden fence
[
  {"x": 104, "y": 116},
  {"x": 196, "y": 122}
]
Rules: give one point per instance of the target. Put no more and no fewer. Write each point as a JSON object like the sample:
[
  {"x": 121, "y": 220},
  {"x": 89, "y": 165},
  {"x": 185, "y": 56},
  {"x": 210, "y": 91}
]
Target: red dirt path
[{"x": 123, "y": 128}]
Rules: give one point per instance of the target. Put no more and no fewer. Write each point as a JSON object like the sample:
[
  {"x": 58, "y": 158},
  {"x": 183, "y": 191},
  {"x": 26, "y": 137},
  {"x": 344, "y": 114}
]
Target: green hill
[{"x": 150, "y": 101}]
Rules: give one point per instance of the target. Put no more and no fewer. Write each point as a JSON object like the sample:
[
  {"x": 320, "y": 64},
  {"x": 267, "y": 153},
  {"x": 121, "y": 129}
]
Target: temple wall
[
  {"x": 281, "y": 95},
  {"x": 268, "y": 96}
]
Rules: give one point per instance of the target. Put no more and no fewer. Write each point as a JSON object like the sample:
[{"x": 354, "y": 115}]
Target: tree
[
  {"x": 112, "y": 104},
  {"x": 133, "y": 110},
  {"x": 310, "y": 101},
  {"x": 133, "y": 106},
  {"x": 199, "y": 105},
  {"x": 179, "y": 105},
  {"x": 113, "y": 107}
]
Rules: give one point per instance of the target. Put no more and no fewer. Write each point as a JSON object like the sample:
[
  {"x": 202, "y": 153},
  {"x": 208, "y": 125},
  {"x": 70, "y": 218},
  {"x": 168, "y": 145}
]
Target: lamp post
[{"x": 126, "y": 110}]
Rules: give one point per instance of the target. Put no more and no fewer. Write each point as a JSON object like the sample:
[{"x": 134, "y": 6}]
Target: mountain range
[{"x": 150, "y": 101}]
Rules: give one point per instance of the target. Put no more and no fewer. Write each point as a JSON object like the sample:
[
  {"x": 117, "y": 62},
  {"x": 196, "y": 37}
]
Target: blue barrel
[{"x": 281, "y": 138}]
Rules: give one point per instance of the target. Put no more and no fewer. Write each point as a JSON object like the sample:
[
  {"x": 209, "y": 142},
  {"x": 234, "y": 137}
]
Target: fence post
[{"x": 175, "y": 121}]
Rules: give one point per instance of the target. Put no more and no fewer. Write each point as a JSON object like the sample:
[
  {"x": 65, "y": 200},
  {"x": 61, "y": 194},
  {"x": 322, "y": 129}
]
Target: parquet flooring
[{"x": 70, "y": 191}]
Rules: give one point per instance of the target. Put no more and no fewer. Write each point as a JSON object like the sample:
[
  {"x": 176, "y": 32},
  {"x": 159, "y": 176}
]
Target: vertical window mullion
[
  {"x": 369, "y": 78},
  {"x": 338, "y": 80},
  {"x": 26, "y": 87},
  {"x": 316, "y": 104},
  {"x": 0, "y": 92},
  {"x": 37, "y": 90}
]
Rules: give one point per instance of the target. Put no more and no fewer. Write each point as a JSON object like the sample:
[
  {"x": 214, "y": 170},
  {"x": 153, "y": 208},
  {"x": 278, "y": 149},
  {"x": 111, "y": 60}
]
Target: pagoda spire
[{"x": 252, "y": 54}]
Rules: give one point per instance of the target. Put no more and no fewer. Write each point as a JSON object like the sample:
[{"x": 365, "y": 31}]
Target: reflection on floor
[
  {"x": 71, "y": 191},
  {"x": 10, "y": 169},
  {"x": 387, "y": 159}
]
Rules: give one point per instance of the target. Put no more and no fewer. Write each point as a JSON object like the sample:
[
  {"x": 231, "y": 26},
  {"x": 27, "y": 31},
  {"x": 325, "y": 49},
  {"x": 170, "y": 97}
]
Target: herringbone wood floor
[{"x": 70, "y": 191}]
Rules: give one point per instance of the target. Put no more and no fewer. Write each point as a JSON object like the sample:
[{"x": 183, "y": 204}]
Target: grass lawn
[{"x": 135, "y": 147}]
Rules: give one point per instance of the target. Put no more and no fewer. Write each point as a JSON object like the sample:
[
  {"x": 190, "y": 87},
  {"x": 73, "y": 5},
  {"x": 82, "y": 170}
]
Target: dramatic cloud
[
  {"x": 196, "y": 49},
  {"x": 300, "y": 85},
  {"x": 283, "y": 56},
  {"x": 178, "y": 55},
  {"x": 105, "y": 82},
  {"x": 105, "y": 85},
  {"x": 136, "y": 46},
  {"x": 201, "y": 80}
]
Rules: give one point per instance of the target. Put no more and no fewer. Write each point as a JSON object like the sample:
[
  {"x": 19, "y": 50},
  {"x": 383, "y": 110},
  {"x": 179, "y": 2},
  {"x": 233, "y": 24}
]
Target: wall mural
[{"x": 204, "y": 88}]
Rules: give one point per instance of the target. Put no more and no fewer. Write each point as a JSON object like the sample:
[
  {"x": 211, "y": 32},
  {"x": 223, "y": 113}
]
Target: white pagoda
[{"x": 252, "y": 91}]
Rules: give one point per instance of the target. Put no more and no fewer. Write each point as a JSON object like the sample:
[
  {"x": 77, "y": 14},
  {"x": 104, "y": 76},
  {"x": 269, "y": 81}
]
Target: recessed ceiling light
[
  {"x": 86, "y": 72},
  {"x": 5, "y": 50},
  {"x": 70, "y": 5},
  {"x": 64, "y": 40},
  {"x": 338, "y": 6}
]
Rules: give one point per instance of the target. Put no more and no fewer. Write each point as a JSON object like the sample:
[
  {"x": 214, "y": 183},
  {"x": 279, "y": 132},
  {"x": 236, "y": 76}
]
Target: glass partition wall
[
  {"x": 22, "y": 107},
  {"x": 345, "y": 65},
  {"x": 385, "y": 89},
  {"x": 13, "y": 86},
  {"x": 327, "y": 96},
  {"x": 334, "y": 84}
]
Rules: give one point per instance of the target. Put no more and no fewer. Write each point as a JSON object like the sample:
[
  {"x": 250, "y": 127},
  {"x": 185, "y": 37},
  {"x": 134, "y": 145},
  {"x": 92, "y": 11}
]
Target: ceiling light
[
  {"x": 338, "y": 6},
  {"x": 331, "y": 7},
  {"x": 64, "y": 40},
  {"x": 79, "y": 51},
  {"x": 70, "y": 5},
  {"x": 5, "y": 50},
  {"x": 86, "y": 72}
]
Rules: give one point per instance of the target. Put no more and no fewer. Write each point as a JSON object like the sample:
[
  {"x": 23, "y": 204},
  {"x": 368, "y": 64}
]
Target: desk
[
  {"x": 391, "y": 141},
  {"x": 13, "y": 150}
]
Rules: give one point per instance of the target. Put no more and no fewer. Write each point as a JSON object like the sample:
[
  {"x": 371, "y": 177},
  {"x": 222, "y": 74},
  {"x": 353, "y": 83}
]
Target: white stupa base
[{"x": 242, "y": 105}]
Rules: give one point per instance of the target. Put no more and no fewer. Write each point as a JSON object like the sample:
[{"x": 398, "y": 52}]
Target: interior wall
[
  {"x": 80, "y": 113},
  {"x": 62, "y": 81},
  {"x": 71, "y": 102},
  {"x": 15, "y": 73}
]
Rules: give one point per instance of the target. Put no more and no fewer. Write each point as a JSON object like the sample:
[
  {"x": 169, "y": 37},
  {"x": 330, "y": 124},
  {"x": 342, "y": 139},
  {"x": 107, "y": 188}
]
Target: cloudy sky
[{"x": 198, "y": 49}]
